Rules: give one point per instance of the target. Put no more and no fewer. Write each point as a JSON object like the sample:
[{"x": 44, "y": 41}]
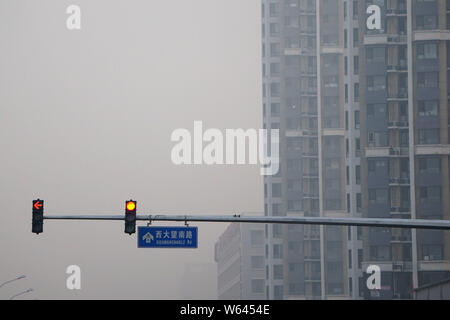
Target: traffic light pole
[{"x": 363, "y": 222}]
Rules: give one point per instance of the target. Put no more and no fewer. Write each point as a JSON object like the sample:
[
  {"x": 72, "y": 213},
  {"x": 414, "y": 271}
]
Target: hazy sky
[{"x": 85, "y": 124}]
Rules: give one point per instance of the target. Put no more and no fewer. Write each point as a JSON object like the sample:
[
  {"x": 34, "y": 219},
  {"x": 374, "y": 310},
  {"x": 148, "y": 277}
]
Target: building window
[
  {"x": 358, "y": 202},
  {"x": 377, "y": 139},
  {"x": 380, "y": 253},
  {"x": 360, "y": 258},
  {"x": 278, "y": 272},
  {"x": 316, "y": 290},
  {"x": 276, "y": 190},
  {"x": 275, "y": 49},
  {"x": 430, "y": 165},
  {"x": 333, "y": 204},
  {"x": 277, "y": 230},
  {"x": 295, "y": 288},
  {"x": 429, "y": 136},
  {"x": 431, "y": 252},
  {"x": 376, "y": 110},
  {"x": 357, "y": 147},
  {"x": 426, "y": 22},
  {"x": 350, "y": 258},
  {"x": 291, "y": 21},
  {"x": 428, "y": 108},
  {"x": 376, "y": 54},
  {"x": 358, "y": 174},
  {"x": 427, "y": 51},
  {"x": 356, "y": 94},
  {"x": 356, "y": 65},
  {"x": 257, "y": 237},
  {"x": 276, "y": 209},
  {"x": 274, "y": 69},
  {"x": 378, "y": 196},
  {"x": 357, "y": 123},
  {"x": 348, "y": 203},
  {"x": 257, "y": 262},
  {"x": 430, "y": 194},
  {"x": 376, "y": 83},
  {"x": 278, "y": 292},
  {"x": 274, "y": 29},
  {"x": 275, "y": 109},
  {"x": 345, "y": 66},
  {"x": 427, "y": 79},
  {"x": 355, "y": 37},
  {"x": 294, "y": 205},
  {"x": 274, "y": 9},
  {"x": 257, "y": 285},
  {"x": 274, "y": 89},
  {"x": 277, "y": 251}
]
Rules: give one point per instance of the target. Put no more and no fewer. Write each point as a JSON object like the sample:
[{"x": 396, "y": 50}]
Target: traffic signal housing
[
  {"x": 130, "y": 217},
  {"x": 38, "y": 216}
]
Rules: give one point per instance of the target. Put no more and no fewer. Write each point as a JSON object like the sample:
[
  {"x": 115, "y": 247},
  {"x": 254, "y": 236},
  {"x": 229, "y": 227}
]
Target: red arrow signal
[{"x": 37, "y": 205}]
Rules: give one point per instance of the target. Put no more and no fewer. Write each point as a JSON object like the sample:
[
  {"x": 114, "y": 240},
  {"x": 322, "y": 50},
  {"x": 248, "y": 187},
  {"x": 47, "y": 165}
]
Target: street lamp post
[
  {"x": 9, "y": 281},
  {"x": 21, "y": 293}
]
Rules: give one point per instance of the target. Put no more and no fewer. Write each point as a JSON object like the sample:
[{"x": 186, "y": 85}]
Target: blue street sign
[{"x": 167, "y": 237}]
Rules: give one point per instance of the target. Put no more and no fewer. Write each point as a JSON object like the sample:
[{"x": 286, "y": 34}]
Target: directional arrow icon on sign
[{"x": 37, "y": 205}]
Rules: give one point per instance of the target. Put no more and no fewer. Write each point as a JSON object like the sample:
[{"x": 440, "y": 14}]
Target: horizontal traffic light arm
[{"x": 363, "y": 222}]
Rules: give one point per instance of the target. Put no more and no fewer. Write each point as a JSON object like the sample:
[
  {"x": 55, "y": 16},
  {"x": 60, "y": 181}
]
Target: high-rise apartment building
[
  {"x": 404, "y": 59},
  {"x": 310, "y": 89},
  {"x": 359, "y": 90}
]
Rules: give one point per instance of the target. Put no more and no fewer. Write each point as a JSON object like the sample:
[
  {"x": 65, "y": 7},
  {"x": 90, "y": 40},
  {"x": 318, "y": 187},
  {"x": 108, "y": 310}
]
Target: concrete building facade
[
  {"x": 404, "y": 95},
  {"x": 239, "y": 254},
  {"x": 305, "y": 95}
]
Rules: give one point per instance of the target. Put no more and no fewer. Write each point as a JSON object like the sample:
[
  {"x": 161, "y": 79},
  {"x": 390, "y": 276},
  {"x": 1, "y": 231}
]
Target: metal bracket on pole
[
  {"x": 149, "y": 220},
  {"x": 186, "y": 221}
]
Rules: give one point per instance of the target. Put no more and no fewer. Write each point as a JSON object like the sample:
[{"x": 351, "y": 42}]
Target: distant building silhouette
[{"x": 239, "y": 254}]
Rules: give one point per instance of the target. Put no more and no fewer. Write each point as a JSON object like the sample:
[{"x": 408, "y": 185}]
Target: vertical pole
[
  {"x": 411, "y": 140},
  {"x": 319, "y": 145}
]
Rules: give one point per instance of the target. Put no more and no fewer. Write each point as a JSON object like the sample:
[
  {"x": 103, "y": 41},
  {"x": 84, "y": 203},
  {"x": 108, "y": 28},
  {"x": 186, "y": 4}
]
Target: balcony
[
  {"x": 312, "y": 236},
  {"x": 374, "y": 152},
  {"x": 398, "y": 124},
  {"x": 308, "y": 12},
  {"x": 397, "y": 38},
  {"x": 404, "y": 238},
  {"x": 310, "y": 154},
  {"x": 397, "y": 68},
  {"x": 312, "y": 115},
  {"x": 404, "y": 211},
  {"x": 396, "y": 96},
  {"x": 399, "y": 181},
  {"x": 312, "y": 278},
  {"x": 396, "y": 12},
  {"x": 312, "y": 258},
  {"x": 399, "y": 151},
  {"x": 308, "y": 92},
  {"x": 433, "y": 149},
  {"x": 310, "y": 196},
  {"x": 309, "y": 133},
  {"x": 310, "y": 176},
  {"x": 437, "y": 35},
  {"x": 402, "y": 266}
]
